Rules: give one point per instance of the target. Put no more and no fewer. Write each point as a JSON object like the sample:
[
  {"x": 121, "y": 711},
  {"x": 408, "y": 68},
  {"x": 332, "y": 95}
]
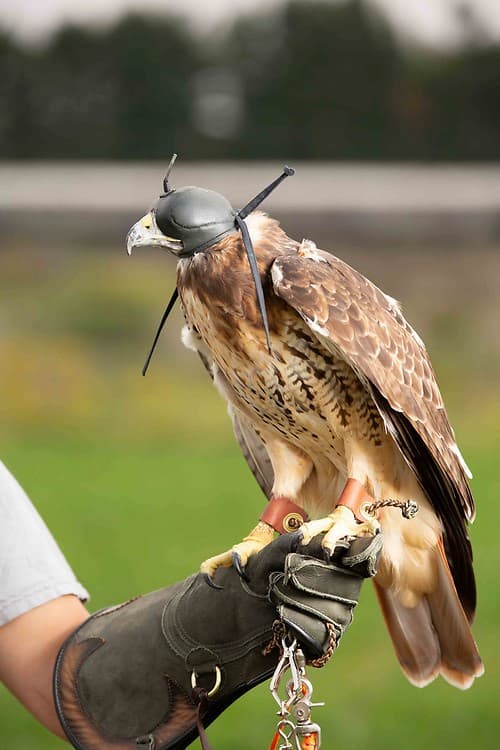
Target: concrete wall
[{"x": 61, "y": 203}]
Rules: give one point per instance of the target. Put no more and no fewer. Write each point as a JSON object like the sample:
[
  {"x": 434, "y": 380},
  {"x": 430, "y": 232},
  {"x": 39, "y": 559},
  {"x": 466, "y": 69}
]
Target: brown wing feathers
[
  {"x": 350, "y": 315},
  {"x": 253, "y": 450},
  {"x": 443, "y": 494}
]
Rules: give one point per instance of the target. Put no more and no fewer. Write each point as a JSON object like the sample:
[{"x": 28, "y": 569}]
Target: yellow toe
[
  {"x": 258, "y": 538},
  {"x": 338, "y": 525},
  {"x": 224, "y": 560}
]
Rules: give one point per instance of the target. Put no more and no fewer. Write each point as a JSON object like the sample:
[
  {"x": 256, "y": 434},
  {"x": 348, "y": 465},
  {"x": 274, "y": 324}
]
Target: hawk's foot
[
  {"x": 338, "y": 525},
  {"x": 239, "y": 554}
]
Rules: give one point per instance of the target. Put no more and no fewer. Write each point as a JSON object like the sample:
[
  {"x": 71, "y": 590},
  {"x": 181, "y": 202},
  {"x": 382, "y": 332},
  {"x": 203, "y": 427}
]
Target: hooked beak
[{"x": 145, "y": 232}]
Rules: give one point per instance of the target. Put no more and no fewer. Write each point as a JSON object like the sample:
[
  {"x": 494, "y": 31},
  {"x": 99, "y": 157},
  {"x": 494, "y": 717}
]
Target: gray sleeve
[{"x": 33, "y": 569}]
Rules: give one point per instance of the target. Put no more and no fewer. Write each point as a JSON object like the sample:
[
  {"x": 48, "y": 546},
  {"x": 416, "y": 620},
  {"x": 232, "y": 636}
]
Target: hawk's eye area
[{"x": 173, "y": 244}]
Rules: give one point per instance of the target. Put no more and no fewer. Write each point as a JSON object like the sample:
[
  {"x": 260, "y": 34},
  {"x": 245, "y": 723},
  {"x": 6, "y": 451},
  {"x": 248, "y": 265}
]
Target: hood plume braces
[
  {"x": 239, "y": 223},
  {"x": 167, "y": 173}
]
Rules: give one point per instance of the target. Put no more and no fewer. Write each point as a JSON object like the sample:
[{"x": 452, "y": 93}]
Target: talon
[
  {"x": 338, "y": 525},
  {"x": 296, "y": 541},
  {"x": 238, "y": 556},
  {"x": 209, "y": 567},
  {"x": 238, "y": 565},
  {"x": 327, "y": 554},
  {"x": 311, "y": 529},
  {"x": 211, "y": 582}
]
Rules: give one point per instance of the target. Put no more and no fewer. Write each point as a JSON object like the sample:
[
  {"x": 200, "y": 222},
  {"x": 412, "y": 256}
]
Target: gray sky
[{"x": 432, "y": 20}]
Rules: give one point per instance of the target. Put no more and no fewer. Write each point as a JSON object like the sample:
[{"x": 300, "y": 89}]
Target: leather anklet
[{"x": 283, "y": 515}]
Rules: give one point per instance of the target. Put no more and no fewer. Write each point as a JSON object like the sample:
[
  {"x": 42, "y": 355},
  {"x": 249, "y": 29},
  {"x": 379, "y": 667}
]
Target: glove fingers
[
  {"x": 315, "y": 549},
  {"x": 335, "y": 610},
  {"x": 311, "y": 592},
  {"x": 326, "y": 580},
  {"x": 309, "y": 631},
  {"x": 272, "y": 558},
  {"x": 363, "y": 555},
  {"x": 360, "y": 555}
]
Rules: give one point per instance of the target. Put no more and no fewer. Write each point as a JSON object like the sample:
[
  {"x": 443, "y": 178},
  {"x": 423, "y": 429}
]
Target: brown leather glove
[{"x": 144, "y": 673}]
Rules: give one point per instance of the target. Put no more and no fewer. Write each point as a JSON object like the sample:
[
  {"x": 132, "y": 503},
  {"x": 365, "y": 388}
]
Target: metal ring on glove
[{"x": 218, "y": 679}]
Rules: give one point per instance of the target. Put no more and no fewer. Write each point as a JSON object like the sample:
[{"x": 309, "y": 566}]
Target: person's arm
[
  {"x": 40, "y": 602},
  {"x": 28, "y": 648}
]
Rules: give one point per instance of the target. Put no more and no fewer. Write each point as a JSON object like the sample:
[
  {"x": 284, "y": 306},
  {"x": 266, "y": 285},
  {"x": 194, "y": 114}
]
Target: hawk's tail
[{"x": 433, "y": 637}]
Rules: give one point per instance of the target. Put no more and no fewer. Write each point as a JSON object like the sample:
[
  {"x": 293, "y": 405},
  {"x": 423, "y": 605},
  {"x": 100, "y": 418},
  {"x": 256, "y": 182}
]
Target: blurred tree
[
  {"x": 152, "y": 60},
  {"x": 313, "y": 80},
  {"x": 319, "y": 78},
  {"x": 73, "y": 96},
  {"x": 16, "y": 135},
  {"x": 465, "y": 91},
  {"x": 119, "y": 93}
]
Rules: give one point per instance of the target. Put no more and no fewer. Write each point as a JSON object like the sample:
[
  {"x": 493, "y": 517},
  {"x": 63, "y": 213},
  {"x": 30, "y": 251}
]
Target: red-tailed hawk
[{"x": 335, "y": 405}]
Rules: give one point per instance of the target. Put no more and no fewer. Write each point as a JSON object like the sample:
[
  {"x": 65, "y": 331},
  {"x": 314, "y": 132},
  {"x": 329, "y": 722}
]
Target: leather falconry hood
[
  {"x": 196, "y": 216},
  {"x": 193, "y": 219}
]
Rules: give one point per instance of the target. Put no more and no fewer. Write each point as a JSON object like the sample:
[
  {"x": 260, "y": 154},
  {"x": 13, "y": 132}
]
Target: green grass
[
  {"x": 140, "y": 479},
  {"x": 124, "y": 514}
]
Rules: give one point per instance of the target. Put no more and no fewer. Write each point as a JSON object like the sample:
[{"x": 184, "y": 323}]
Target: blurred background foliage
[
  {"x": 135, "y": 475},
  {"x": 311, "y": 80}
]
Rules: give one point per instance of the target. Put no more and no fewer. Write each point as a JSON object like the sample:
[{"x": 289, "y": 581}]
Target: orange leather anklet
[
  {"x": 283, "y": 515},
  {"x": 354, "y": 496}
]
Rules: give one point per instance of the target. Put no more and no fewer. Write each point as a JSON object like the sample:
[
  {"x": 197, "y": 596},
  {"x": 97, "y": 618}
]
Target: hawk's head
[
  {"x": 189, "y": 220},
  {"x": 185, "y": 221}
]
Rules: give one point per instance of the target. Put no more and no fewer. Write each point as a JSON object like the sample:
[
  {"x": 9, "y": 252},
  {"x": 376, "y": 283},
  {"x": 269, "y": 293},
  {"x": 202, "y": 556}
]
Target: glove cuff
[{"x": 130, "y": 677}]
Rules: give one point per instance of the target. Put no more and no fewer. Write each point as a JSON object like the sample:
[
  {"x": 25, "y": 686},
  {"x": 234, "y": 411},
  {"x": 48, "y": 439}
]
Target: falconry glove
[
  {"x": 315, "y": 599},
  {"x": 151, "y": 672}
]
